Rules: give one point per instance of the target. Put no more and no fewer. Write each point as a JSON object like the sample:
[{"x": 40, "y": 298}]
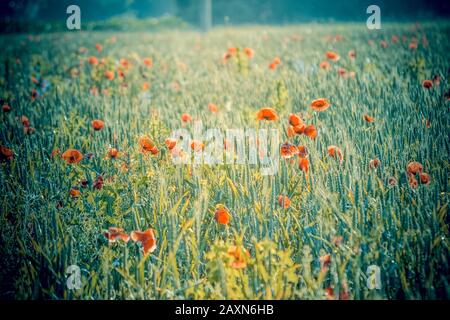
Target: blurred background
[{"x": 50, "y": 15}]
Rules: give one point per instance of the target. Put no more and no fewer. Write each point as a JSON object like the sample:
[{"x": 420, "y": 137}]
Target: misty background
[{"x": 220, "y": 12}]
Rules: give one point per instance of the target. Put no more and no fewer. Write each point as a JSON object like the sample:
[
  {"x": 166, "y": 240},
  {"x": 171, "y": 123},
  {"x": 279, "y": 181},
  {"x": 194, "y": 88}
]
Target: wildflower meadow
[{"x": 106, "y": 191}]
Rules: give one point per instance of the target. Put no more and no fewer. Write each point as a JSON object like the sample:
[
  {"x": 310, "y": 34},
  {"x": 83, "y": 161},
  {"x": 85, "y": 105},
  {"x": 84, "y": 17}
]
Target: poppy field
[{"x": 357, "y": 207}]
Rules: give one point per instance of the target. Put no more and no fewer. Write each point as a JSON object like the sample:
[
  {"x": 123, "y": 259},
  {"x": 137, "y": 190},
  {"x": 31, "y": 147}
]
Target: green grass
[{"x": 402, "y": 230}]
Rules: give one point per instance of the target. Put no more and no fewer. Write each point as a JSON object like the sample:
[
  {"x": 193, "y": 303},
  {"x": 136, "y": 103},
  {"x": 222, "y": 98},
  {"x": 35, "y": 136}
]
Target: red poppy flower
[
  {"x": 267, "y": 114},
  {"x": 98, "y": 124},
  {"x": 427, "y": 84},
  {"x": 310, "y": 131},
  {"x": 239, "y": 255},
  {"x": 5, "y": 153},
  {"x": 147, "y": 145},
  {"x": 284, "y": 201},
  {"x": 333, "y": 56},
  {"x": 222, "y": 215},
  {"x": 320, "y": 104},
  {"x": 146, "y": 239},
  {"x": 72, "y": 156},
  {"x": 335, "y": 152},
  {"x": 113, "y": 234}
]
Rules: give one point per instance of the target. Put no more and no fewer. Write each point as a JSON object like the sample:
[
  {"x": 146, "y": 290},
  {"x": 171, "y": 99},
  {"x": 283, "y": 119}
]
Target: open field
[{"x": 356, "y": 197}]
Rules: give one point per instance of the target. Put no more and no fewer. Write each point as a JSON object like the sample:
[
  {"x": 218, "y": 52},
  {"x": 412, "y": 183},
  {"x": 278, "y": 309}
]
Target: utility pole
[{"x": 205, "y": 15}]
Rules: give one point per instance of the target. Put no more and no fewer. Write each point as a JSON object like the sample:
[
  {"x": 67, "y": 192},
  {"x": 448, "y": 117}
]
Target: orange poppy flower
[
  {"x": 369, "y": 118},
  {"x": 212, "y": 107},
  {"x": 335, "y": 152},
  {"x": 300, "y": 129},
  {"x": 352, "y": 54},
  {"x": 186, "y": 117},
  {"x": 74, "y": 193},
  {"x": 342, "y": 72},
  {"x": 28, "y": 130},
  {"x": 413, "y": 183},
  {"x": 267, "y": 114},
  {"x": 310, "y": 131},
  {"x": 146, "y": 239},
  {"x": 295, "y": 120},
  {"x": 384, "y": 44},
  {"x": 302, "y": 151},
  {"x": 170, "y": 143},
  {"x": 276, "y": 61},
  {"x": 288, "y": 150},
  {"x": 6, "y": 108},
  {"x": 424, "y": 178},
  {"x": 147, "y": 145},
  {"x": 197, "y": 145},
  {"x": 148, "y": 62},
  {"x": 232, "y": 50},
  {"x": 113, "y": 153},
  {"x": 145, "y": 86},
  {"x": 249, "y": 52},
  {"x": 333, "y": 56},
  {"x": 303, "y": 164},
  {"x": 25, "y": 122},
  {"x": 427, "y": 84},
  {"x": 240, "y": 256},
  {"x": 93, "y": 60},
  {"x": 394, "y": 39},
  {"x": 320, "y": 104},
  {"x": 113, "y": 234},
  {"x": 109, "y": 75},
  {"x": 329, "y": 293},
  {"x": 99, "y": 47},
  {"x": 124, "y": 63},
  {"x": 414, "y": 167},
  {"x": 222, "y": 215},
  {"x": 226, "y": 56},
  {"x": 5, "y": 153},
  {"x": 72, "y": 156},
  {"x": 284, "y": 201},
  {"x": 290, "y": 131},
  {"x": 374, "y": 163},
  {"x": 413, "y": 45},
  {"x": 324, "y": 65},
  {"x": 97, "y": 124}
]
